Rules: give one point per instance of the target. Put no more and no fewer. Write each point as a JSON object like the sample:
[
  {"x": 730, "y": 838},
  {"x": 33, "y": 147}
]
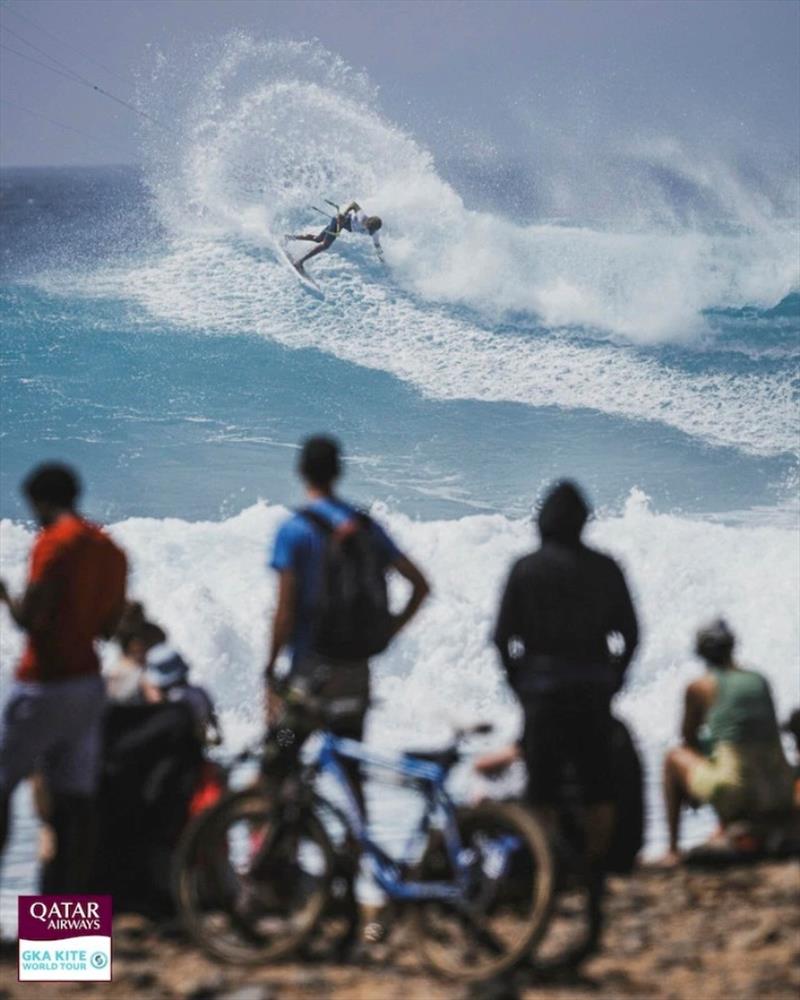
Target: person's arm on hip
[{"x": 420, "y": 588}]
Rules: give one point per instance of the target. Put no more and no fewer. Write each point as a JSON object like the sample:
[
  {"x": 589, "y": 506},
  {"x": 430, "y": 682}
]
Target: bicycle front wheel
[
  {"x": 508, "y": 876},
  {"x": 251, "y": 878}
]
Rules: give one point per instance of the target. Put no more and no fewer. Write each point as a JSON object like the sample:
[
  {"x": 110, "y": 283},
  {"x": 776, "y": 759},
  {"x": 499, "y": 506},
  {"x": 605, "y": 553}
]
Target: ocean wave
[
  {"x": 473, "y": 306},
  {"x": 225, "y": 287},
  {"x": 208, "y": 583},
  {"x": 268, "y": 127}
]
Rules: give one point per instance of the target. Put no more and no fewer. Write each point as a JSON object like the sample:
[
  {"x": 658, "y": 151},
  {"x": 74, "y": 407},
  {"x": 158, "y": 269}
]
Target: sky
[{"x": 489, "y": 72}]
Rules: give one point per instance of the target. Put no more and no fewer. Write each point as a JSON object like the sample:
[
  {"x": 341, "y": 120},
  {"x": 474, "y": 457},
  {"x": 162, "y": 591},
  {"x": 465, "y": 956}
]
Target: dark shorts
[
  {"x": 56, "y": 728},
  {"x": 329, "y": 233},
  {"x": 568, "y": 739},
  {"x": 343, "y": 686},
  {"x": 340, "y": 689}
]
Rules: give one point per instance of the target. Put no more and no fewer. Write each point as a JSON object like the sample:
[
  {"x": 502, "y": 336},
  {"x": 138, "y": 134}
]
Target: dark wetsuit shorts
[
  {"x": 331, "y": 231},
  {"x": 568, "y": 741}
]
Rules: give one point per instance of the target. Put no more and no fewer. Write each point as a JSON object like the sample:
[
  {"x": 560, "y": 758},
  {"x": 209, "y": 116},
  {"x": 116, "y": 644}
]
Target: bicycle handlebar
[
  {"x": 477, "y": 729},
  {"x": 254, "y": 750}
]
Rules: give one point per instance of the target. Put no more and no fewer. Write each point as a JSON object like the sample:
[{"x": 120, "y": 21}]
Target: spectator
[
  {"x": 560, "y": 609},
  {"x": 330, "y": 639},
  {"x": 53, "y": 715},
  {"x": 135, "y": 636},
  {"x": 731, "y": 756},
  {"x": 166, "y": 679}
]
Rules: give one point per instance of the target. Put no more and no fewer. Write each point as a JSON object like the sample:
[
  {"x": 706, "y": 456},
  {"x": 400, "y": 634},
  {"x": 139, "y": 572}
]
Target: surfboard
[{"x": 305, "y": 279}]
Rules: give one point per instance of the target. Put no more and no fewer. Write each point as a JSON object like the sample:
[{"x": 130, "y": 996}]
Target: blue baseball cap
[{"x": 165, "y": 666}]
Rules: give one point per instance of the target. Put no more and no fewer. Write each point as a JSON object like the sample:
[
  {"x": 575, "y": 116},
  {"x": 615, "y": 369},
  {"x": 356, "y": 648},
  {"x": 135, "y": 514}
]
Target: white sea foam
[
  {"x": 222, "y": 287},
  {"x": 269, "y": 127},
  {"x": 208, "y": 583},
  {"x": 473, "y": 305}
]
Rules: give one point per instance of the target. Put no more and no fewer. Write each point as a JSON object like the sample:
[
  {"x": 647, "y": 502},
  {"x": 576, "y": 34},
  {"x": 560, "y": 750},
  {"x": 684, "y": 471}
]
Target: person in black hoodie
[{"x": 566, "y": 632}]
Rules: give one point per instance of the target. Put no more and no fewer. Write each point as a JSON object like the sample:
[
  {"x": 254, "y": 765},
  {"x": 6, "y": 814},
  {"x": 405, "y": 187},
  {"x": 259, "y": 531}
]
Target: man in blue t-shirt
[{"x": 297, "y": 558}]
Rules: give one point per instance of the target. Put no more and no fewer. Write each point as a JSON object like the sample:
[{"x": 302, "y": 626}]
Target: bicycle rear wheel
[
  {"x": 251, "y": 880},
  {"x": 505, "y": 907},
  {"x": 569, "y": 934}
]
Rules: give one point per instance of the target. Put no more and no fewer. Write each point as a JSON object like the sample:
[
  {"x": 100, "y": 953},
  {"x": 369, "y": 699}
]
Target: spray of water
[{"x": 269, "y": 127}]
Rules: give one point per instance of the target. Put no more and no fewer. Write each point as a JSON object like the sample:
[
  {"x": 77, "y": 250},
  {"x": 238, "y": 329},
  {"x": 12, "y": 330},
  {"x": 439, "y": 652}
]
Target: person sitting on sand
[
  {"x": 354, "y": 219},
  {"x": 166, "y": 679},
  {"x": 135, "y": 637},
  {"x": 731, "y": 756}
]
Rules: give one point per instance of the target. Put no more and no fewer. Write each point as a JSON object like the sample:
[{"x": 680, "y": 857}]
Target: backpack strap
[
  {"x": 360, "y": 517},
  {"x": 317, "y": 520}
]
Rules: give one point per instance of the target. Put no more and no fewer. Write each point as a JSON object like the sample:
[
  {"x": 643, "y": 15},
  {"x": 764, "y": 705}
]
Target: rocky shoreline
[{"x": 680, "y": 934}]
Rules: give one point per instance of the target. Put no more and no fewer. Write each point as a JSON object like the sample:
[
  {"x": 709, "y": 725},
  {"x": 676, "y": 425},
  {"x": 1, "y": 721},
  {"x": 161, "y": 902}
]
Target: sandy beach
[{"x": 682, "y": 934}]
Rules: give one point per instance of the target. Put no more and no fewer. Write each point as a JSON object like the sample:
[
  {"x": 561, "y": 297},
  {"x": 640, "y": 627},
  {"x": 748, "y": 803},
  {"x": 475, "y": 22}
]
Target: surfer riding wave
[{"x": 353, "y": 219}]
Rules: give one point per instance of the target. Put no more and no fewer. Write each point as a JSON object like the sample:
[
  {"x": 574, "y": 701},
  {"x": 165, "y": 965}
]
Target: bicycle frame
[{"x": 432, "y": 777}]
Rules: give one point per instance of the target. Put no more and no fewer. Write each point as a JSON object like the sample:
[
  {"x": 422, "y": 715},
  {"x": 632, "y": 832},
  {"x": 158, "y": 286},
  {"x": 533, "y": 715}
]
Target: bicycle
[{"x": 256, "y": 873}]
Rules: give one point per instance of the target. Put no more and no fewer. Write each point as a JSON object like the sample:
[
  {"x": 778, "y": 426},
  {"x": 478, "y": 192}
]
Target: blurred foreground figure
[
  {"x": 731, "y": 755},
  {"x": 166, "y": 680},
  {"x": 135, "y": 636},
  {"x": 332, "y": 610},
  {"x": 561, "y": 606},
  {"x": 52, "y": 718},
  {"x": 156, "y": 773},
  {"x": 333, "y": 614}
]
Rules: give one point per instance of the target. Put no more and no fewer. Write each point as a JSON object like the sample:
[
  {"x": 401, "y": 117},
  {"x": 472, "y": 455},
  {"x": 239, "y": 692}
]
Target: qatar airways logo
[
  {"x": 64, "y": 938},
  {"x": 66, "y": 915}
]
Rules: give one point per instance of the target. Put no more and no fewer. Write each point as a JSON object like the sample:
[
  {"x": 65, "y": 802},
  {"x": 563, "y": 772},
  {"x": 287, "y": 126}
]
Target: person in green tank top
[{"x": 731, "y": 756}]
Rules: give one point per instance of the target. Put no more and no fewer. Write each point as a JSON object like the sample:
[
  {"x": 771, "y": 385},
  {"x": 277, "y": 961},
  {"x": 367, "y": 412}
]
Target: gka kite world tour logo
[{"x": 64, "y": 938}]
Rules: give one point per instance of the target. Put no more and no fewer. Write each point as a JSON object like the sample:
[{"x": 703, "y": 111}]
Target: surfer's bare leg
[
  {"x": 304, "y": 236},
  {"x": 313, "y": 253}
]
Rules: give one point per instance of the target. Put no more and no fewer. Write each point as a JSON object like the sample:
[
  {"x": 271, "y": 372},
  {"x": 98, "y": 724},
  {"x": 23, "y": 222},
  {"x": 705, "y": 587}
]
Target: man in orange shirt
[{"x": 52, "y": 719}]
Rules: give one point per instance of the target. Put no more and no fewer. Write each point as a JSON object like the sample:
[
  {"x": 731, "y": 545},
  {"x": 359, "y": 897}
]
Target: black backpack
[
  {"x": 352, "y": 620},
  {"x": 628, "y": 837}
]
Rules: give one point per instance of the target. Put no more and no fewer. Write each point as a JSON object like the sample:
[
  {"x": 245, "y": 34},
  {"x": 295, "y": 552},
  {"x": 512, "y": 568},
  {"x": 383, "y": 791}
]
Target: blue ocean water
[
  {"x": 152, "y": 337},
  {"x": 148, "y": 407}
]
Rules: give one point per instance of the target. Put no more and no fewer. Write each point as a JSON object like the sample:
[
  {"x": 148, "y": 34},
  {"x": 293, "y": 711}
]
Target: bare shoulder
[{"x": 700, "y": 693}]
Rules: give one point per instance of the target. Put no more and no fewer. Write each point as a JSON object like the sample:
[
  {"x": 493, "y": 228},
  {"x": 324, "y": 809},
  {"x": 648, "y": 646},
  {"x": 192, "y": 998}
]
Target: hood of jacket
[{"x": 563, "y": 514}]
